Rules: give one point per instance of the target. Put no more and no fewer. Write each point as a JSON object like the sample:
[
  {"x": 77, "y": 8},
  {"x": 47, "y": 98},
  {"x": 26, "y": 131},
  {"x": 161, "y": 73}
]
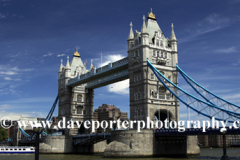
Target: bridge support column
[
  {"x": 130, "y": 143},
  {"x": 192, "y": 145},
  {"x": 16, "y": 136},
  {"x": 206, "y": 144}
]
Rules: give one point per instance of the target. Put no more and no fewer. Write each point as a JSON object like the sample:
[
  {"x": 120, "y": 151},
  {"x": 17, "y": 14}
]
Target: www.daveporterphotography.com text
[{"x": 132, "y": 124}]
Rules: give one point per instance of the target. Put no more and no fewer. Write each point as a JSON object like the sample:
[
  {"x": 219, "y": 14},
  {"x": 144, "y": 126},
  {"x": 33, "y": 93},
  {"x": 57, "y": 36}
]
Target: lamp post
[
  {"x": 224, "y": 157},
  {"x": 37, "y": 131}
]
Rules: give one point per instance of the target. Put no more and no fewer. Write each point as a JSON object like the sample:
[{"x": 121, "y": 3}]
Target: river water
[{"x": 206, "y": 153}]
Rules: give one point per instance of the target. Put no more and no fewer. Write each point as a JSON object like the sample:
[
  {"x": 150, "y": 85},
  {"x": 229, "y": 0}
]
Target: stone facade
[
  {"x": 75, "y": 103},
  {"x": 148, "y": 98},
  {"x": 56, "y": 144},
  {"x": 130, "y": 143}
]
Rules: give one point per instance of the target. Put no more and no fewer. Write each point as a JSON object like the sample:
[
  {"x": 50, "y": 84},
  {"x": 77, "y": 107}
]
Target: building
[
  {"x": 109, "y": 113},
  {"x": 75, "y": 103},
  {"x": 148, "y": 97}
]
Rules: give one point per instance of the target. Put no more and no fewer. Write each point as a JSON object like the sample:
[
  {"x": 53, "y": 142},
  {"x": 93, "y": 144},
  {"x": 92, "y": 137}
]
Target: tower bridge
[
  {"x": 147, "y": 96},
  {"x": 152, "y": 69}
]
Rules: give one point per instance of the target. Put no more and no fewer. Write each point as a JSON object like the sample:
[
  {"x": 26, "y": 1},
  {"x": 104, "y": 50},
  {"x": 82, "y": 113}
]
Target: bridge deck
[{"x": 111, "y": 73}]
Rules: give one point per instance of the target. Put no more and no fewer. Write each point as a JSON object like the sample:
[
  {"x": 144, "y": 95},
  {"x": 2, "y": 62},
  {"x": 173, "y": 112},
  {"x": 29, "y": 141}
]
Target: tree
[{"x": 3, "y": 134}]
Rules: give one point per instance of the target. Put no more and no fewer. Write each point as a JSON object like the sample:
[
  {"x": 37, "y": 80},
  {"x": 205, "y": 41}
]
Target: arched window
[
  {"x": 136, "y": 53},
  {"x": 162, "y": 92},
  {"x": 157, "y": 42},
  {"x": 154, "y": 53},
  {"x": 79, "y": 98},
  {"x": 152, "y": 76},
  {"x": 139, "y": 94},
  {"x": 139, "y": 39},
  {"x": 161, "y": 43},
  {"x": 136, "y": 42},
  {"x": 79, "y": 109}
]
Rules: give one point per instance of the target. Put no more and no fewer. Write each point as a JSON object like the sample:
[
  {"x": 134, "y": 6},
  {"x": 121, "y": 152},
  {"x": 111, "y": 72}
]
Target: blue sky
[{"x": 36, "y": 35}]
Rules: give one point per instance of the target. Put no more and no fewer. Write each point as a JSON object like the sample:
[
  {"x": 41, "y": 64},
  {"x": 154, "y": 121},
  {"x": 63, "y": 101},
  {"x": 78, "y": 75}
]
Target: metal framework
[
  {"x": 48, "y": 118},
  {"x": 206, "y": 108}
]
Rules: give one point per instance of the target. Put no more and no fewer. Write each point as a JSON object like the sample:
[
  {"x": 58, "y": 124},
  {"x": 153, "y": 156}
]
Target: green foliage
[
  {"x": 3, "y": 134},
  {"x": 108, "y": 131}
]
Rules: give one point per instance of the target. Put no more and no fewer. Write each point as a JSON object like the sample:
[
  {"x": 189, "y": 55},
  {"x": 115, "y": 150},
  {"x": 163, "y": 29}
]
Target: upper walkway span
[{"x": 111, "y": 73}]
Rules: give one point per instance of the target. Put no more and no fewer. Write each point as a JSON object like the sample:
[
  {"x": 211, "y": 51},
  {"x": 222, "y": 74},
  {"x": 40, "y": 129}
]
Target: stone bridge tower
[
  {"x": 75, "y": 103},
  {"x": 148, "y": 98}
]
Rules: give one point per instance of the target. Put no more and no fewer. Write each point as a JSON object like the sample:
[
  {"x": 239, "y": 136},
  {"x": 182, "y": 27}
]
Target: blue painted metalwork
[
  {"x": 189, "y": 78},
  {"x": 48, "y": 118},
  {"x": 186, "y": 79},
  {"x": 157, "y": 73}
]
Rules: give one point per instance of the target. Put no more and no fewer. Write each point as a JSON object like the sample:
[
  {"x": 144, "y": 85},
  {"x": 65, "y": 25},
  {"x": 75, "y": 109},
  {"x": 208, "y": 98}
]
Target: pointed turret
[
  {"x": 173, "y": 37},
  {"x": 67, "y": 65},
  {"x": 91, "y": 67},
  {"x": 130, "y": 36},
  {"x": 61, "y": 66},
  {"x": 144, "y": 28}
]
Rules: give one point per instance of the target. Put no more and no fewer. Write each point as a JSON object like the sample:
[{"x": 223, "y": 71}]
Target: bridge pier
[
  {"x": 130, "y": 143},
  {"x": 94, "y": 148},
  {"x": 57, "y": 144}
]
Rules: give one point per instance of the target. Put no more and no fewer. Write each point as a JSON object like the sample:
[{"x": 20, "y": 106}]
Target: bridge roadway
[
  {"x": 111, "y": 73},
  {"x": 87, "y": 139}
]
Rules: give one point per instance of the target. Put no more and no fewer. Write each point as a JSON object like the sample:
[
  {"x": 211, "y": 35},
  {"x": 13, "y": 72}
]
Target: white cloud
[
  {"x": 13, "y": 115},
  {"x": 232, "y": 97},
  {"x": 111, "y": 58},
  {"x": 8, "y": 111},
  {"x": 8, "y": 78},
  {"x": 49, "y": 54},
  {"x": 211, "y": 23},
  {"x": 2, "y": 16},
  {"x": 7, "y": 70},
  {"x": 120, "y": 87},
  {"x": 7, "y": 73},
  {"x": 226, "y": 50},
  {"x": 60, "y": 55}
]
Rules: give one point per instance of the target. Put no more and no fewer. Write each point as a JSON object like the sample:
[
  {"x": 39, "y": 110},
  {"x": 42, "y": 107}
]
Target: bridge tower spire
[
  {"x": 173, "y": 41},
  {"x": 146, "y": 96},
  {"x": 75, "y": 103},
  {"x": 130, "y": 36}
]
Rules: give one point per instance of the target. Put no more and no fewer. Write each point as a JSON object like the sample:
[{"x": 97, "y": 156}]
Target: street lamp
[
  {"x": 37, "y": 131},
  {"x": 224, "y": 157}
]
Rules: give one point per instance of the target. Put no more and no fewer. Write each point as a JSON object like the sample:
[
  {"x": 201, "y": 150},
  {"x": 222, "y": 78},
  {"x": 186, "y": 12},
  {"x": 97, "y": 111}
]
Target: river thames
[{"x": 206, "y": 153}]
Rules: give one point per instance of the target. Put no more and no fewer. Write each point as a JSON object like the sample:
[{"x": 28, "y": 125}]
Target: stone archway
[{"x": 163, "y": 114}]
